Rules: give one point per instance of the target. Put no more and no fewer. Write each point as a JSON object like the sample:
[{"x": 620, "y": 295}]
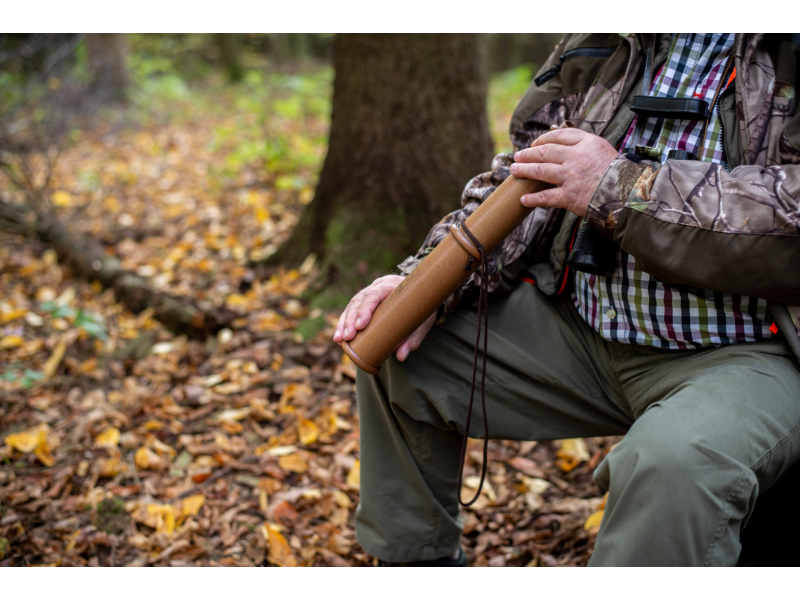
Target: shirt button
[{"x": 611, "y": 313}]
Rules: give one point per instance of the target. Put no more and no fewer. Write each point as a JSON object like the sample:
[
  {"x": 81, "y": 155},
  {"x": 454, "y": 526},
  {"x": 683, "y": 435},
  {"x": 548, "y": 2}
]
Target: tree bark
[
  {"x": 408, "y": 130},
  {"x": 107, "y": 54},
  {"x": 229, "y": 55}
]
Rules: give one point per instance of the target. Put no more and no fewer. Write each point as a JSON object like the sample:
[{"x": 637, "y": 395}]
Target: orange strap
[{"x": 731, "y": 78}]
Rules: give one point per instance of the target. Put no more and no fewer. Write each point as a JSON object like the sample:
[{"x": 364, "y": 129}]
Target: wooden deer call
[{"x": 441, "y": 273}]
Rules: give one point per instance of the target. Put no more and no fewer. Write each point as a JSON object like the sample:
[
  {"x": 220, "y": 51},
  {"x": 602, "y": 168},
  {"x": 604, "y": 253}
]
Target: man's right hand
[{"x": 359, "y": 312}]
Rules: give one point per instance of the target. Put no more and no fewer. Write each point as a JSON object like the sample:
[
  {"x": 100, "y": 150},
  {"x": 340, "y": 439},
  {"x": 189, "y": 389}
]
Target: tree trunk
[
  {"x": 107, "y": 54},
  {"x": 408, "y": 130},
  {"x": 229, "y": 55}
]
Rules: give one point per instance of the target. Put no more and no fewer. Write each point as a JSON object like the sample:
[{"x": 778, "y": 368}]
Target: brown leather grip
[{"x": 440, "y": 274}]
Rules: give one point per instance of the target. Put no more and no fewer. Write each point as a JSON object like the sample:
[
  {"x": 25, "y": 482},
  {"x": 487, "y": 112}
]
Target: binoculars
[{"x": 593, "y": 252}]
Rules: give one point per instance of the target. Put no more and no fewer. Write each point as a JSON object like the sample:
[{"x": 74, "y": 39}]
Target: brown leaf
[{"x": 280, "y": 553}]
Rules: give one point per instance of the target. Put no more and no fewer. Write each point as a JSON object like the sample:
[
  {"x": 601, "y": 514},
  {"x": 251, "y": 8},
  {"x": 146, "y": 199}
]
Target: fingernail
[
  {"x": 345, "y": 332},
  {"x": 358, "y": 321},
  {"x": 336, "y": 334},
  {"x": 405, "y": 353},
  {"x": 513, "y": 167},
  {"x": 517, "y": 155},
  {"x": 524, "y": 200}
]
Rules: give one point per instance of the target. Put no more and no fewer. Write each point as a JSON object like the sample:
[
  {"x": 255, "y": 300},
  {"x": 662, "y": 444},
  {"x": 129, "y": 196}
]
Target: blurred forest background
[{"x": 182, "y": 217}]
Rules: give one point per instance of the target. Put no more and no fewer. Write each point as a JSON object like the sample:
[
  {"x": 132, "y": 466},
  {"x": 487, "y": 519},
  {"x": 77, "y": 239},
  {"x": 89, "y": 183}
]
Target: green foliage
[
  {"x": 308, "y": 328},
  {"x": 505, "y": 91},
  {"x": 92, "y": 323},
  {"x": 26, "y": 379}
]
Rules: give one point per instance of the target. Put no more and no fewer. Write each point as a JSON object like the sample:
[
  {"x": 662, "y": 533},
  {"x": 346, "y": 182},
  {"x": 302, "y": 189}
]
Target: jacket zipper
[
  {"x": 574, "y": 53},
  {"x": 718, "y": 108}
]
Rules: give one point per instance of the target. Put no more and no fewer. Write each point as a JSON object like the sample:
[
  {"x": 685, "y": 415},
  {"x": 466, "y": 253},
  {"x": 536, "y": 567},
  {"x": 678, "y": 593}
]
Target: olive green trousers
[{"x": 705, "y": 431}]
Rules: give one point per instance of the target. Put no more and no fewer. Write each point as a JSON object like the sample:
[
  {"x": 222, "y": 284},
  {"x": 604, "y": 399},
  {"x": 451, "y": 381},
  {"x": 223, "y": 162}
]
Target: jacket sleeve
[{"x": 693, "y": 223}]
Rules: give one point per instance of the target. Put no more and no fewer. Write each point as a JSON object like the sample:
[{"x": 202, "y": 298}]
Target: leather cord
[{"x": 483, "y": 312}]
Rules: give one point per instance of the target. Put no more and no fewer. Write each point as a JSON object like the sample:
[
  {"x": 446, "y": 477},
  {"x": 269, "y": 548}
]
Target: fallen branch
[{"x": 88, "y": 258}]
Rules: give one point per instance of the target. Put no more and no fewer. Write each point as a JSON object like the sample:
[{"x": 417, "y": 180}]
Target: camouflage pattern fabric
[{"x": 753, "y": 211}]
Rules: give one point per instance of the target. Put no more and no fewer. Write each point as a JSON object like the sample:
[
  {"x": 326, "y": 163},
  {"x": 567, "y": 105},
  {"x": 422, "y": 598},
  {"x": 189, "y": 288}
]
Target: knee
[{"x": 669, "y": 463}]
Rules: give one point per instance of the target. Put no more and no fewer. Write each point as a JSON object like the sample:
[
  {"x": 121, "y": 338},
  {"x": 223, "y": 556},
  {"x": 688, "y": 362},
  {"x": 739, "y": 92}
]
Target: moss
[
  {"x": 111, "y": 516},
  {"x": 309, "y": 328}
]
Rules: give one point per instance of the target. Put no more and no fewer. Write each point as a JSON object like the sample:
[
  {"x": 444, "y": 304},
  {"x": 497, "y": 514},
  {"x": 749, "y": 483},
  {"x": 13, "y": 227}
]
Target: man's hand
[
  {"x": 570, "y": 158},
  {"x": 359, "y": 312}
]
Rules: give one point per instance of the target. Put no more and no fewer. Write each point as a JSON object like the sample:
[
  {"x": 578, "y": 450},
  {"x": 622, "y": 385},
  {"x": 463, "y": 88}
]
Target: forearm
[{"x": 694, "y": 223}]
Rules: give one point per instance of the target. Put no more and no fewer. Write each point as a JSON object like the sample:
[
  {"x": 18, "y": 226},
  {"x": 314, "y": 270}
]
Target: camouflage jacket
[{"x": 741, "y": 218}]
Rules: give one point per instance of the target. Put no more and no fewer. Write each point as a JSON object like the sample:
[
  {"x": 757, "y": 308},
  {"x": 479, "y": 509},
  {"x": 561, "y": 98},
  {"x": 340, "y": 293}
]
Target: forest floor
[{"x": 122, "y": 444}]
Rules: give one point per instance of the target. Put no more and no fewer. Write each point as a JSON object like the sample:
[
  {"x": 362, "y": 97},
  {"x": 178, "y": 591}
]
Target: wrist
[{"x": 613, "y": 192}]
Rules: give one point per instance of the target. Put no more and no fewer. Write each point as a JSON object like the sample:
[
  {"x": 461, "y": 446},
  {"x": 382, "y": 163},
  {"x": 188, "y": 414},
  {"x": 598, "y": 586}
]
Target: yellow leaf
[
  {"x": 109, "y": 467},
  {"x": 10, "y": 341},
  {"x": 307, "y": 430},
  {"x": 592, "y": 523},
  {"x": 165, "y": 517},
  {"x": 109, "y": 437},
  {"x": 147, "y": 459},
  {"x": 342, "y": 499},
  {"x": 192, "y": 505},
  {"x": 280, "y": 553},
  {"x": 55, "y": 359},
  {"x": 294, "y": 463},
  {"x": 8, "y": 316},
  {"x": 354, "y": 476},
  {"x": 571, "y": 453},
  {"x": 62, "y": 198},
  {"x": 34, "y": 440},
  {"x": 262, "y": 214},
  {"x": 42, "y": 451},
  {"x": 25, "y": 441}
]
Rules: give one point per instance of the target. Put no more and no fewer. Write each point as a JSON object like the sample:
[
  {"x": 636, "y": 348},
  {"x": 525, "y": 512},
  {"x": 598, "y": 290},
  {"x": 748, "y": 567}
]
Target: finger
[
  {"x": 348, "y": 331},
  {"x": 369, "y": 302},
  {"x": 337, "y": 335},
  {"x": 565, "y": 137},
  {"x": 549, "y": 172},
  {"x": 547, "y": 153},
  {"x": 415, "y": 339},
  {"x": 554, "y": 197}
]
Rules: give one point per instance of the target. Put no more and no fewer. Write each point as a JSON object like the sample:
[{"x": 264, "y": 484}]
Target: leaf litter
[{"x": 123, "y": 444}]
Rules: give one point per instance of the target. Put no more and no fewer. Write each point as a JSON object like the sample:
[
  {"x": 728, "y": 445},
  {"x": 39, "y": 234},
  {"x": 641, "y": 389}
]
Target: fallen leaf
[
  {"x": 10, "y": 341},
  {"x": 294, "y": 463},
  {"x": 165, "y": 517},
  {"x": 146, "y": 459},
  {"x": 307, "y": 431},
  {"x": 61, "y": 198},
  {"x": 592, "y": 523},
  {"x": 354, "y": 476},
  {"x": 280, "y": 553},
  {"x": 192, "y": 505},
  {"x": 34, "y": 440},
  {"x": 108, "y": 438},
  {"x": 571, "y": 453},
  {"x": 51, "y": 365}
]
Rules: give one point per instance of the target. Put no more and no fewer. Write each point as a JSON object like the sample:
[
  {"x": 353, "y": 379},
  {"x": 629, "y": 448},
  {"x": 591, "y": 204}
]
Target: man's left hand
[{"x": 570, "y": 158}]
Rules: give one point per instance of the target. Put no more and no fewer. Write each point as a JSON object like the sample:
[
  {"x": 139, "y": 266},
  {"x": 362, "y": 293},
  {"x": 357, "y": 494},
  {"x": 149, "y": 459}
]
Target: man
[{"x": 685, "y": 347}]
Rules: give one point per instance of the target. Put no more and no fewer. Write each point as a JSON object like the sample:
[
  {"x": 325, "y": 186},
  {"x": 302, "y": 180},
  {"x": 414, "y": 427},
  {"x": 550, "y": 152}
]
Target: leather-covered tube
[{"x": 440, "y": 274}]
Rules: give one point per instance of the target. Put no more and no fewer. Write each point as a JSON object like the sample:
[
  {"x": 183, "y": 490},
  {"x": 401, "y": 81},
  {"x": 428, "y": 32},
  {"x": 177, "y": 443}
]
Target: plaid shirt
[{"x": 632, "y": 307}]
